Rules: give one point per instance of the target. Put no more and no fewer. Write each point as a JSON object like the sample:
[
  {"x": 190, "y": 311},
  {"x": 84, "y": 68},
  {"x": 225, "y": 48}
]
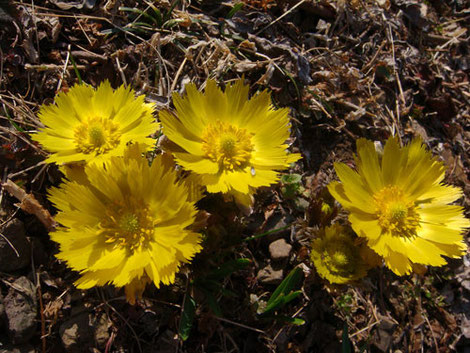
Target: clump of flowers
[
  {"x": 338, "y": 257},
  {"x": 233, "y": 143},
  {"x": 90, "y": 125},
  {"x": 397, "y": 201},
  {"x": 128, "y": 226}
]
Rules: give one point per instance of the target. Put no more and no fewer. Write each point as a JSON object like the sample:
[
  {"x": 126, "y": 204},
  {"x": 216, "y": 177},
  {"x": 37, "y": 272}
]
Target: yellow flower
[
  {"x": 338, "y": 258},
  {"x": 233, "y": 143},
  {"x": 91, "y": 125},
  {"x": 128, "y": 225},
  {"x": 398, "y": 203}
]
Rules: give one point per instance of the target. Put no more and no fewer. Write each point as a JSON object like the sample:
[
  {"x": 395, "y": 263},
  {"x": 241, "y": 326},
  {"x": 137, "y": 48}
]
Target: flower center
[
  {"x": 396, "y": 214},
  {"x": 340, "y": 259},
  {"x": 340, "y": 256},
  {"x": 129, "y": 223},
  {"x": 98, "y": 135},
  {"x": 128, "y": 226},
  {"x": 227, "y": 145}
]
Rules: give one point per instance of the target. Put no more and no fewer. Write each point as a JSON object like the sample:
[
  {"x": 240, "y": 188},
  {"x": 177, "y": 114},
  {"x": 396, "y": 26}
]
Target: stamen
[
  {"x": 98, "y": 135},
  {"x": 396, "y": 214},
  {"x": 127, "y": 225},
  {"x": 227, "y": 145},
  {"x": 340, "y": 256}
]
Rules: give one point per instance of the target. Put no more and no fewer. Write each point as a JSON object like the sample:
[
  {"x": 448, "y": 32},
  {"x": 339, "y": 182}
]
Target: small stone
[
  {"x": 280, "y": 250},
  {"x": 101, "y": 325},
  {"x": 269, "y": 275},
  {"x": 383, "y": 335},
  {"x": 465, "y": 327},
  {"x": 21, "y": 310},
  {"x": 278, "y": 221},
  {"x": 77, "y": 334},
  {"x": 15, "y": 250}
]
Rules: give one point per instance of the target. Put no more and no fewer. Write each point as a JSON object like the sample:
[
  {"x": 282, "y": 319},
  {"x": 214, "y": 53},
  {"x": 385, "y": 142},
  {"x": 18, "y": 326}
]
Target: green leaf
[
  {"x": 283, "y": 293},
  {"x": 291, "y": 320},
  {"x": 187, "y": 317},
  {"x": 12, "y": 122},
  {"x": 345, "y": 344},
  {"x": 274, "y": 305},
  {"x": 235, "y": 9},
  {"x": 140, "y": 13},
  {"x": 158, "y": 15},
  {"x": 167, "y": 15},
  {"x": 75, "y": 68},
  {"x": 291, "y": 296},
  {"x": 143, "y": 26},
  {"x": 291, "y": 178},
  {"x": 287, "y": 284}
]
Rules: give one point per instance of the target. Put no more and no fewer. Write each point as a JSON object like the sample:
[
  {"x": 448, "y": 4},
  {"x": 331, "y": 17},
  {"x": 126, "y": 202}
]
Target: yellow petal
[{"x": 368, "y": 164}]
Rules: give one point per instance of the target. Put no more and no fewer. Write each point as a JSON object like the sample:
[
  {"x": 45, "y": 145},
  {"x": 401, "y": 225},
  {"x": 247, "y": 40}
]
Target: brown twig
[{"x": 29, "y": 204}]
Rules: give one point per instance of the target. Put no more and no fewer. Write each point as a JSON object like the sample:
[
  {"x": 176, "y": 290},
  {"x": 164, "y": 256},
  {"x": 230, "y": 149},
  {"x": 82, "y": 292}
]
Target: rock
[
  {"x": 269, "y": 275},
  {"x": 84, "y": 332},
  {"x": 383, "y": 336},
  {"x": 101, "y": 324},
  {"x": 21, "y": 310},
  {"x": 77, "y": 334},
  {"x": 15, "y": 250},
  {"x": 279, "y": 250},
  {"x": 465, "y": 327},
  {"x": 24, "y": 348},
  {"x": 278, "y": 221}
]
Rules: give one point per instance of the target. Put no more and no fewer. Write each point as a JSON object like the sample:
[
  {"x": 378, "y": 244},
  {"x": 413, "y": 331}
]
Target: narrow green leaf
[
  {"x": 167, "y": 15},
  {"x": 12, "y": 122},
  {"x": 235, "y": 9},
  {"x": 345, "y": 344},
  {"x": 75, "y": 68},
  {"x": 291, "y": 296},
  {"x": 286, "y": 285},
  {"x": 158, "y": 15},
  {"x": 140, "y": 13},
  {"x": 291, "y": 320},
  {"x": 274, "y": 305},
  {"x": 187, "y": 317},
  {"x": 144, "y": 26}
]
